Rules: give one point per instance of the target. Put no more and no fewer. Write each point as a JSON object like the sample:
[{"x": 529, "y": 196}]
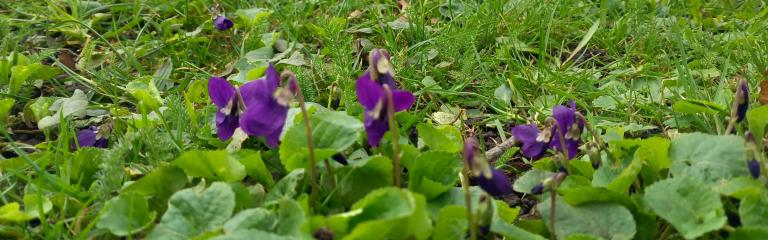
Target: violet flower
[
  {"x": 535, "y": 142},
  {"x": 742, "y": 100},
  {"x": 230, "y": 106},
  {"x": 267, "y": 105},
  {"x": 565, "y": 131},
  {"x": 89, "y": 137},
  {"x": 222, "y": 23},
  {"x": 493, "y": 181},
  {"x": 372, "y": 95},
  {"x": 754, "y": 168}
]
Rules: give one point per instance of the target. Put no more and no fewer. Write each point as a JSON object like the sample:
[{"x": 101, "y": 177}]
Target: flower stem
[
  {"x": 552, "y": 199},
  {"x": 310, "y": 143},
  {"x": 395, "y": 134},
  {"x": 468, "y": 200}
]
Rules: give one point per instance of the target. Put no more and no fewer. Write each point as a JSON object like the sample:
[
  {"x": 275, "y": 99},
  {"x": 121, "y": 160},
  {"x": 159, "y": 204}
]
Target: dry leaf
[
  {"x": 403, "y": 5},
  {"x": 763, "y": 92},
  {"x": 67, "y": 58},
  {"x": 355, "y": 14}
]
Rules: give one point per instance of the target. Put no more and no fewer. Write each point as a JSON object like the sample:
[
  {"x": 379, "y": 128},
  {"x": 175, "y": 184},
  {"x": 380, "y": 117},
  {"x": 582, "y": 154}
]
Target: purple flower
[
  {"x": 534, "y": 141},
  {"x": 567, "y": 131},
  {"x": 222, "y": 23},
  {"x": 493, "y": 181},
  {"x": 89, "y": 137},
  {"x": 266, "y": 107},
  {"x": 538, "y": 189},
  {"x": 230, "y": 106},
  {"x": 372, "y": 95},
  {"x": 742, "y": 100},
  {"x": 754, "y": 168},
  {"x": 340, "y": 159}
]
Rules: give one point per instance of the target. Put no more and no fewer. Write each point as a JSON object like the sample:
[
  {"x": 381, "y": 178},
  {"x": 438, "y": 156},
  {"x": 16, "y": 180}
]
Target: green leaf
[
  {"x": 37, "y": 204},
  {"x": 452, "y": 223},
  {"x": 444, "y": 137},
  {"x": 753, "y": 210},
  {"x": 691, "y": 206},
  {"x": 214, "y": 165},
  {"x": 286, "y": 187},
  {"x": 126, "y": 214},
  {"x": 757, "y": 118},
  {"x": 21, "y": 74},
  {"x": 73, "y": 106},
  {"x": 146, "y": 92},
  {"x": 740, "y": 187},
  {"x": 363, "y": 177},
  {"x": 5, "y": 109},
  {"x": 40, "y": 107},
  {"x": 583, "y": 195},
  {"x": 387, "y": 213},
  {"x": 503, "y": 93},
  {"x": 84, "y": 166},
  {"x": 502, "y": 220},
  {"x": 693, "y": 106},
  {"x": 195, "y": 211},
  {"x": 256, "y": 218},
  {"x": 12, "y": 212},
  {"x": 253, "y": 16},
  {"x": 434, "y": 172},
  {"x": 530, "y": 179},
  {"x": 290, "y": 218},
  {"x": 159, "y": 185},
  {"x": 254, "y": 166},
  {"x": 708, "y": 157},
  {"x": 749, "y": 234},
  {"x": 332, "y": 132},
  {"x": 253, "y": 234},
  {"x": 605, "y": 220}
]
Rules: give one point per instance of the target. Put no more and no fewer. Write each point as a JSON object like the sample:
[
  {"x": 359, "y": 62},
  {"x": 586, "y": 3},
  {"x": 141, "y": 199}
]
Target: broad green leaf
[
  {"x": 254, "y": 166},
  {"x": 708, "y": 157},
  {"x": 361, "y": 178},
  {"x": 434, "y": 172},
  {"x": 126, "y": 214},
  {"x": 697, "y": 106},
  {"x": 73, "y": 106},
  {"x": 455, "y": 196},
  {"x": 605, "y": 220},
  {"x": 290, "y": 218},
  {"x": 753, "y": 210},
  {"x": 385, "y": 213},
  {"x": 654, "y": 152},
  {"x": 583, "y": 195},
  {"x": 5, "y": 109},
  {"x": 253, "y": 234},
  {"x": 749, "y": 234},
  {"x": 21, "y": 74},
  {"x": 84, "y": 166},
  {"x": 740, "y": 187},
  {"x": 501, "y": 223},
  {"x": 145, "y": 91},
  {"x": 503, "y": 93},
  {"x": 757, "y": 119},
  {"x": 36, "y": 204},
  {"x": 12, "y": 212},
  {"x": 195, "y": 211},
  {"x": 332, "y": 132},
  {"x": 214, "y": 165},
  {"x": 530, "y": 179},
  {"x": 286, "y": 187},
  {"x": 445, "y": 138},
  {"x": 255, "y": 218},
  {"x": 253, "y": 16},
  {"x": 159, "y": 185},
  {"x": 452, "y": 223},
  {"x": 40, "y": 107},
  {"x": 690, "y": 205}
]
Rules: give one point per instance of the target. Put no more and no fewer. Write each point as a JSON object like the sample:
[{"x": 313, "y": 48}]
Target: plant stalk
[
  {"x": 310, "y": 143},
  {"x": 395, "y": 134},
  {"x": 468, "y": 200}
]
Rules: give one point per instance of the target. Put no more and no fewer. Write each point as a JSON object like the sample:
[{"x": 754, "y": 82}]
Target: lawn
[{"x": 383, "y": 119}]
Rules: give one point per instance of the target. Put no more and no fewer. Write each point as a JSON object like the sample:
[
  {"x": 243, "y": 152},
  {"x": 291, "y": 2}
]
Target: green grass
[{"x": 643, "y": 57}]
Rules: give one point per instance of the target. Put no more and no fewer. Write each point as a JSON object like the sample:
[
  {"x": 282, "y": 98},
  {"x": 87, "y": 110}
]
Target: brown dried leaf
[
  {"x": 763, "y": 92},
  {"x": 355, "y": 14}
]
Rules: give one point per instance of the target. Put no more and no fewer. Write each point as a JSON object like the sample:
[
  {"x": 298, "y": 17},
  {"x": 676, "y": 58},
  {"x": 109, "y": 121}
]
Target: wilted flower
[
  {"x": 267, "y": 105},
  {"x": 90, "y": 137},
  {"x": 493, "y": 181},
  {"x": 754, "y": 168},
  {"x": 371, "y": 93},
  {"x": 564, "y": 132},
  {"x": 741, "y": 100},
  {"x": 222, "y": 23},
  {"x": 230, "y": 106}
]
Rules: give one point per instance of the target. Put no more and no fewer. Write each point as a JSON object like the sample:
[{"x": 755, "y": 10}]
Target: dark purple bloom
[
  {"x": 266, "y": 107},
  {"x": 538, "y": 189},
  {"x": 230, "y": 106},
  {"x": 534, "y": 141},
  {"x": 90, "y": 137},
  {"x": 372, "y": 95},
  {"x": 222, "y": 23},
  {"x": 491, "y": 180},
  {"x": 567, "y": 131},
  {"x": 754, "y": 168},
  {"x": 340, "y": 159},
  {"x": 742, "y": 100}
]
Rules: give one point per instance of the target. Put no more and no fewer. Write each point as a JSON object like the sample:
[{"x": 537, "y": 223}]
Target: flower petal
[
  {"x": 226, "y": 125},
  {"x": 529, "y": 134},
  {"x": 375, "y": 129},
  {"x": 222, "y": 23},
  {"x": 262, "y": 118},
  {"x": 498, "y": 185},
  {"x": 369, "y": 93},
  {"x": 273, "y": 138},
  {"x": 85, "y": 138},
  {"x": 220, "y": 91},
  {"x": 402, "y": 99}
]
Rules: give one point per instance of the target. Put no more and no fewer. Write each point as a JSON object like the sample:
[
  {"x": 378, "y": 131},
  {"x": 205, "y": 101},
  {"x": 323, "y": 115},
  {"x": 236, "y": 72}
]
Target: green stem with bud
[{"x": 468, "y": 200}]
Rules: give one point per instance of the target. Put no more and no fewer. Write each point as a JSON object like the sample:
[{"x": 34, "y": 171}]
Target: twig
[{"x": 494, "y": 153}]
